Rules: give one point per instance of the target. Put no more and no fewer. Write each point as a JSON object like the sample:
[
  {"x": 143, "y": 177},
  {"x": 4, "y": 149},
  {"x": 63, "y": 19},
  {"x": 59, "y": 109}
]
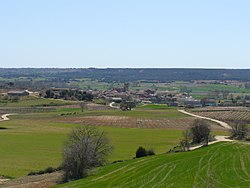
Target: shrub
[
  {"x": 46, "y": 171},
  {"x": 141, "y": 152},
  {"x": 150, "y": 152},
  {"x": 239, "y": 131}
]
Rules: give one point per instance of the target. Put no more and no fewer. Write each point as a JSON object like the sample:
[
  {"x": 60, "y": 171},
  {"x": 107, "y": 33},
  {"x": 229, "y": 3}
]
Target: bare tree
[
  {"x": 239, "y": 131},
  {"x": 185, "y": 142},
  {"x": 83, "y": 106},
  {"x": 86, "y": 147},
  {"x": 200, "y": 131}
]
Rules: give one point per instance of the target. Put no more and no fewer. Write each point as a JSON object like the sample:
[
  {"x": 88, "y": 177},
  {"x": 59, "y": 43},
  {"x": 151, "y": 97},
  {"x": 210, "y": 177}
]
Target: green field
[
  {"x": 35, "y": 141},
  {"x": 34, "y": 101},
  {"x": 155, "y": 106},
  {"x": 220, "y": 165}
]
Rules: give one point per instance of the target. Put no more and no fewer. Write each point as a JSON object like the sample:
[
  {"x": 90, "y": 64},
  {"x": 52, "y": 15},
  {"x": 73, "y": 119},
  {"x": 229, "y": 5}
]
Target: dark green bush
[
  {"x": 141, "y": 152},
  {"x": 46, "y": 171}
]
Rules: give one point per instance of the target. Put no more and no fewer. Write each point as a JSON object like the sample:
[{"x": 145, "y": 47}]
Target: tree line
[{"x": 69, "y": 95}]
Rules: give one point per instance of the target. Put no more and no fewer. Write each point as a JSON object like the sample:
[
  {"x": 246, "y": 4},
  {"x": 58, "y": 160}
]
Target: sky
[{"x": 125, "y": 33}]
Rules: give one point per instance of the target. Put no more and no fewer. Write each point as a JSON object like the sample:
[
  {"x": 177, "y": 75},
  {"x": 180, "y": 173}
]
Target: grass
[
  {"x": 220, "y": 165},
  {"x": 33, "y": 142},
  {"x": 155, "y": 106}
]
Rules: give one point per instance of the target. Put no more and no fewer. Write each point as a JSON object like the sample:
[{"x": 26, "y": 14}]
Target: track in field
[{"x": 220, "y": 165}]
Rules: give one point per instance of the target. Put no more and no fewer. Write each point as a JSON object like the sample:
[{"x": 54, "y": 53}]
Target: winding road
[
  {"x": 217, "y": 138},
  {"x": 5, "y": 117},
  {"x": 221, "y": 123}
]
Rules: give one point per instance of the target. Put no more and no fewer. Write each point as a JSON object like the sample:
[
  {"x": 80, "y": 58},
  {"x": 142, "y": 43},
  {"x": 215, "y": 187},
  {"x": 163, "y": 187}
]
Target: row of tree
[{"x": 69, "y": 94}]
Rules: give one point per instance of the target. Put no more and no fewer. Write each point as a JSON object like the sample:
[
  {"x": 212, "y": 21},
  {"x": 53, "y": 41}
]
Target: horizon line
[{"x": 225, "y": 68}]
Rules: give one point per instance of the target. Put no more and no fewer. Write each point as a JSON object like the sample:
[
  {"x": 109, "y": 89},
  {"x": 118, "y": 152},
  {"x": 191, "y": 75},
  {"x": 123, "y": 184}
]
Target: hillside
[
  {"x": 219, "y": 165},
  {"x": 125, "y": 74}
]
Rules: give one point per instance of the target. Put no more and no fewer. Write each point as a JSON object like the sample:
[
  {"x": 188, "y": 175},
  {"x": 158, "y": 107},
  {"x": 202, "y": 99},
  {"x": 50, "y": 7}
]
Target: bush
[
  {"x": 141, "y": 152},
  {"x": 46, "y": 171},
  {"x": 239, "y": 131},
  {"x": 150, "y": 152}
]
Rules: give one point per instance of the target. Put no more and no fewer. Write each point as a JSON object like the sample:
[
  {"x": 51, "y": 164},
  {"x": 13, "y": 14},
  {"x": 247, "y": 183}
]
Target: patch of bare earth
[
  {"x": 132, "y": 122},
  {"x": 39, "y": 181}
]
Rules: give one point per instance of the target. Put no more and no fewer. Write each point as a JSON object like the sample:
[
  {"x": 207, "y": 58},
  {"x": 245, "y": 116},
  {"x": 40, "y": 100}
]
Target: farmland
[
  {"x": 229, "y": 115},
  {"x": 34, "y": 141},
  {"x": 219, "y": 165},
  {"x": 148, "y": 116}
]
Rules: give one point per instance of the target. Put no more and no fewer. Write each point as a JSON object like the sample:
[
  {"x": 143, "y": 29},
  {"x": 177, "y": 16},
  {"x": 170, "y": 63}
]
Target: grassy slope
[{"x": 219, "y": 165}]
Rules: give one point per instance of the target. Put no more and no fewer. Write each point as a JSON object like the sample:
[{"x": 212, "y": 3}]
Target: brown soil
[
  {"x": 132, "y": 122},
  {"x": 39, "y": 181}
]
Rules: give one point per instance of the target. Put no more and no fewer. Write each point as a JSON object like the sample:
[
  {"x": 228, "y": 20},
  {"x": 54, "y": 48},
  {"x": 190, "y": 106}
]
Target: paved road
[{"x": 221, "y": 123}]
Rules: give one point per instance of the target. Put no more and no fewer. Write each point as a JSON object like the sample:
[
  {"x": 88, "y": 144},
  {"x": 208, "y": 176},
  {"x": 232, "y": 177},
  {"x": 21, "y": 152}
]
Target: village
[{"x": 117, "y": 95}]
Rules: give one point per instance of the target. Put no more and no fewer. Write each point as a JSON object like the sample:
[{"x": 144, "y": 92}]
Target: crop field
[
  {"x": 133, "y": 122},
  {"x": 220, "y": 165},
  {"x": 148, "y": 116},
  {"x": 228, "y": 116},
  {"x": 34, "y": 142}
]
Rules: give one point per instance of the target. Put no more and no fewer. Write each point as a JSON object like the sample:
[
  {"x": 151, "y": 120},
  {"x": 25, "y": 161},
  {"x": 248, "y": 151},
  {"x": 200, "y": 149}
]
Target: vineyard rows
[
  {"x": 227, "y": 115},
  {"x": 129, "y": 122}
]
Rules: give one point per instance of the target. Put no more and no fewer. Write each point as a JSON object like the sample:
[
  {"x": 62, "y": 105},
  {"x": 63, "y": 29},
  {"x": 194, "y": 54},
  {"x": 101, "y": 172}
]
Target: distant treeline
[
  {"x": 127, "y": 74},
  {"x": 69, "y": 95}
]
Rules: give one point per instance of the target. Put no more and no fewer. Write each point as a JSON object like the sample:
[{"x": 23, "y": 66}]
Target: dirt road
[
  {"x": 217, "y": 139},
  {"x": 221, "y": 123},
  {"x": 5, "y": 117}
]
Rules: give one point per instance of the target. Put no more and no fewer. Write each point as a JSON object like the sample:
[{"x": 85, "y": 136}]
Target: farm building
[
  {"x": 18, "y": 93},
  {"x": 192, "y": 103}
]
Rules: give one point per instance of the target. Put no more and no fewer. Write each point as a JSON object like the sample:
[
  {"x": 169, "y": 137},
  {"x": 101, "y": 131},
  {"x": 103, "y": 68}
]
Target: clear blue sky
[{"x": 125, "y": 33}]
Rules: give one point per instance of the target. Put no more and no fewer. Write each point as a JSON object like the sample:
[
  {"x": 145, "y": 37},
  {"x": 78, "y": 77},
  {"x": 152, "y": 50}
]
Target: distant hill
[{"x": 126, "y": 74}]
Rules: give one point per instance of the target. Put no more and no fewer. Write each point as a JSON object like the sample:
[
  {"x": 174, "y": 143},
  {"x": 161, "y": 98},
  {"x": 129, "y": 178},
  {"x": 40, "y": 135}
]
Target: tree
[
  {"x": 141, "y": 152},
  {"x": 239, "y": 131},
  {"x": 200, "y": 131},
  {"x": 185, "y": 142},
  {"x": 86, "y": 147},
  {"x": 127, "y": 105},
  {"x": 83, "y": 105}
]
